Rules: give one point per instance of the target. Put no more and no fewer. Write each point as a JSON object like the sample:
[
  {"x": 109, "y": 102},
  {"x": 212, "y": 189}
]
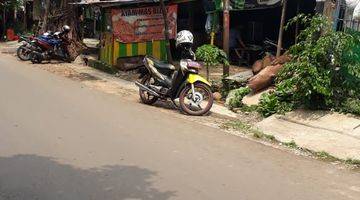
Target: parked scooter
[
  {"x": 51, "y": 46},
  {"x": 160, "y": 80}
]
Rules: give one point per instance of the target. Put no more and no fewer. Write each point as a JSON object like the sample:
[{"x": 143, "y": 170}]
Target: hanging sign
[{"x": 132, "y": 25}]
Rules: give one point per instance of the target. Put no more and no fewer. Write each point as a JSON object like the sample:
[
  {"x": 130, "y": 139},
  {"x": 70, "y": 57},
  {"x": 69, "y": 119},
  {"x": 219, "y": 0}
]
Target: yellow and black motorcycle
[{"x": 160, "y": 80}]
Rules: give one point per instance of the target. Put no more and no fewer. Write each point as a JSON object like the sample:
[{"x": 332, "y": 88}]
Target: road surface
[{"x": 62, "y": 140}]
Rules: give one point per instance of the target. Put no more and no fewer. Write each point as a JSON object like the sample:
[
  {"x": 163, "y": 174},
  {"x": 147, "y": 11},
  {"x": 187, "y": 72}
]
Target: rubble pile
[{"x": 265, "y": 71}]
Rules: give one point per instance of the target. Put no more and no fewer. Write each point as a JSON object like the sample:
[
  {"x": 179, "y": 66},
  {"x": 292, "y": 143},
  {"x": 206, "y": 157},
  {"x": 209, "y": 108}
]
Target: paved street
[{"x": 62, "y": 140}]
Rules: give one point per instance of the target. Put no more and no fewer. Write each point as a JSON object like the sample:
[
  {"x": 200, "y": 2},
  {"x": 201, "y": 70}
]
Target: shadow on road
[{"x": 33, "y": 177}]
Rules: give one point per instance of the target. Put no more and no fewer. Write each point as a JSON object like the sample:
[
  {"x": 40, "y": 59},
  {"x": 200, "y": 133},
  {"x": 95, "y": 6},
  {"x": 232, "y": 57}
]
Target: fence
[{"x": 348, "y": 24}]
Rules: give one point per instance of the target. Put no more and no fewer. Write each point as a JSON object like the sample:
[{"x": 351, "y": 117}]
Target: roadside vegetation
[{"x": 324, "y": 72}]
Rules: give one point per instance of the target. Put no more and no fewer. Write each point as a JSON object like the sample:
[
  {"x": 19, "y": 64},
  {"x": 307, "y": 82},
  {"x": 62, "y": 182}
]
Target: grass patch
[
  {"x": 291, "y": 144},
  {"x": 260, "y": 135},
  {"x": 326, "y": 156},
  {"x": 247, "y": 129},
  {"x": 252, "y": 108},
  {"x": 352, "y": 162},
  {"x": 238, "y": 125}
]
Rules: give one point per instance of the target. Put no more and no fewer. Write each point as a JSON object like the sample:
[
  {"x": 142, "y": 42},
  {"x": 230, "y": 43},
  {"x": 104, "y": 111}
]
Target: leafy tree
[
  {"x": 212, "y": 56},
  {"x": 5, "y": 6},
  {"x": 323, "y": 74}
]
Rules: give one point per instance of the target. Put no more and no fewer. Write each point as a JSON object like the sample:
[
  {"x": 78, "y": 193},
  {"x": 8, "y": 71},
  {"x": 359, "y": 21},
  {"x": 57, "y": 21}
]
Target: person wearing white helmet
[{"x": 184, "y": 41}]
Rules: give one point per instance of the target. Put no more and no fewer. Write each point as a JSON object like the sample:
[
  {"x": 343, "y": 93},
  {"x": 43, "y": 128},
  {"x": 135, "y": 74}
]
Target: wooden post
[
  {"x": 167, "y": 37},
  {"x": 281, "y": 30},
  {"x": 226, "y": 32}
]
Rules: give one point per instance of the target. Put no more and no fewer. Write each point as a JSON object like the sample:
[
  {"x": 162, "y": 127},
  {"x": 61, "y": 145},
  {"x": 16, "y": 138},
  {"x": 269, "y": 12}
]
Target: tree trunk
[
  {"x": 56, "y": 16},
  {"x": 4, "y": 23},
  {"x": 281, "y": 30},
  {"x": 44, "y": 25},
  {"x": 166, "y": 24},
  {"x": 207, "y": 73}
]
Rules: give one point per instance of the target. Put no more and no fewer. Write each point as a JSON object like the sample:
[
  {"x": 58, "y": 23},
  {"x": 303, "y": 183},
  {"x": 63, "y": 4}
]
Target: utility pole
[
  {"x": 167, "y": 37},
  {"x": 226, "y": 31},
  {"x": 281, "y": 30}
]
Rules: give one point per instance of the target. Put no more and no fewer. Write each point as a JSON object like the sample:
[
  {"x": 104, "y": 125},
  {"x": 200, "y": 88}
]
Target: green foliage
[
  {"x": 324, "y": 71},
  {"x": 236, "y": 96},
  {"x": 228, "y": 85},
  {"x": 211, "y": 55},
  {"x": 270, "y": 104},
  {"x": 10, "y": 4},
  {"x": 351, "y": 105}
]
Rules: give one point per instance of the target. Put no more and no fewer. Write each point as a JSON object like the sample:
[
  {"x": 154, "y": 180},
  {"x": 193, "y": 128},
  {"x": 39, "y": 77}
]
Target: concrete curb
[{"x": 317, "y": 132}]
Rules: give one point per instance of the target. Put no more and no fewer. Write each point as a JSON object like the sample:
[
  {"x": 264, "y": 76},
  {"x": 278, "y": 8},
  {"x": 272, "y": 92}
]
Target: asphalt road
[{"x": 61, "y": 140}]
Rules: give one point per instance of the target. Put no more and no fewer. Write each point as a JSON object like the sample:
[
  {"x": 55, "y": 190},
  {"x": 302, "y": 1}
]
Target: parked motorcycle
[
  {"x": 160, "y": 80},
  {"x": 51, "y": 46},
  {"x": 29, "y": 45}
]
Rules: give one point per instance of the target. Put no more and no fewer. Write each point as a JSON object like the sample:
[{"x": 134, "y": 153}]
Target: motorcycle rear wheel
[
  {"x": 22, "y": 53},
  {"x": 145, "y": 97},
  {"x": 35, "y": 58},
  {"x": 187, "y": 104}
]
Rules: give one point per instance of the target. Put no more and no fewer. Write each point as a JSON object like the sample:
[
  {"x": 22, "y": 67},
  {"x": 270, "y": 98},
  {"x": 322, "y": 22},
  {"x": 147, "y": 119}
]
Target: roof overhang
[{"x": 113, "y": 2}]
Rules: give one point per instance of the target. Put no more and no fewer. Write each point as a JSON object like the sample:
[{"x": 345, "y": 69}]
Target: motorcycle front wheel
[
  {"x": 145, "y": 96},
  {"x": 22, "y": 53},
  {"x": 196, "y": 104}
]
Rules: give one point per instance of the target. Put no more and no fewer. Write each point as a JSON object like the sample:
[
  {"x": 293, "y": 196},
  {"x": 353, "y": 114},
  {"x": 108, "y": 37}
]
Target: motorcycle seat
[{"x": 162, "y": 65}]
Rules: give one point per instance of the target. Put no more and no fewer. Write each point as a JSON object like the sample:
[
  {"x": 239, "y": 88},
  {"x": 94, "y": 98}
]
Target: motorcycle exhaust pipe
[
  {"x": 36, "y": 53},
  {"x": 143, "y": 87}
]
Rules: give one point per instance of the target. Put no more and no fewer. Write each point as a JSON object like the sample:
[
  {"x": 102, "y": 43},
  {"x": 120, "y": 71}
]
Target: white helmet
[
  {"x": 66, "y": 28},
  {"x": 184, "y": 37}
]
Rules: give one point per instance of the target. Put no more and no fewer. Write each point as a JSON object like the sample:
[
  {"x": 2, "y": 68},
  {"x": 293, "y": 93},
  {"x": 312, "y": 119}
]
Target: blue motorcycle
[{"x": 51, "y": 46}]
